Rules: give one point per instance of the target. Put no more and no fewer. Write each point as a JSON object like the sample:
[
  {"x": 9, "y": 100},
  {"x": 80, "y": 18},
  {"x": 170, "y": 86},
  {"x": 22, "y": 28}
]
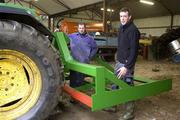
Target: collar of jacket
[
  {"x": 85, "y": 34},
  {"x": 123, "y": 27}
]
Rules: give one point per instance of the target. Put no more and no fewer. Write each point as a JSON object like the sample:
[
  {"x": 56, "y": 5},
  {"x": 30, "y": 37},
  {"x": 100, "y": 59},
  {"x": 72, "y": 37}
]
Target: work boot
[{"x": 129, "y": 111}]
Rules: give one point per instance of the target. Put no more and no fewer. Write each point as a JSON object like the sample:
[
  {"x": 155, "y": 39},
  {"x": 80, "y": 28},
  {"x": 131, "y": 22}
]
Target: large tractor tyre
[{"x": 30, "y": 73}]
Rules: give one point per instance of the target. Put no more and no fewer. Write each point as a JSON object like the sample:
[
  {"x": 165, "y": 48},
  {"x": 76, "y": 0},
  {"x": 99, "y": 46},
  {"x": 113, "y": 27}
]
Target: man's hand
[{"x": 122, "y": 72}]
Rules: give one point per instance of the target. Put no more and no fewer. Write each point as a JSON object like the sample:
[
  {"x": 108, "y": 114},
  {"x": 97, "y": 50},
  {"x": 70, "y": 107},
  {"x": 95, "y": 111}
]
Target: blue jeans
[{"x": 128, "y": 78}]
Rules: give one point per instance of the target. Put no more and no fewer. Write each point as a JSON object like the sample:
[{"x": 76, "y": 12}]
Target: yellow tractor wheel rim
[{"x": 20, "y": 84}]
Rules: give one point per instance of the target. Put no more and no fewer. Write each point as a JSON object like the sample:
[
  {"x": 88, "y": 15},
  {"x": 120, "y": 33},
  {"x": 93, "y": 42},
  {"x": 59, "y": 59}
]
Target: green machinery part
[{"x": 103, "y": 75}]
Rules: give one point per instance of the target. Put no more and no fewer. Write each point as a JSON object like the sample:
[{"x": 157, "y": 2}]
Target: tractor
[{"x": 34, "y": 65}]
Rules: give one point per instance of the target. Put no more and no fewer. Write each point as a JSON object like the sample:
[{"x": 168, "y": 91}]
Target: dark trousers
[
  {"x": 76, "y": 78},
  {"x": 128, "y": 78}
]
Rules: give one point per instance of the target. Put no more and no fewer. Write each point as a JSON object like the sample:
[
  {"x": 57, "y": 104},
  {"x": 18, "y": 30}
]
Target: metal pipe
[
  {"x": 104, "y": 17},
  {"x": 170, "y": 11}
]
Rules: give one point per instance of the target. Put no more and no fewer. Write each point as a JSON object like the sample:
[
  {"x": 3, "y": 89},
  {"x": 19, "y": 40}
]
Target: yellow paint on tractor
[{"x": 20, "y": 84}]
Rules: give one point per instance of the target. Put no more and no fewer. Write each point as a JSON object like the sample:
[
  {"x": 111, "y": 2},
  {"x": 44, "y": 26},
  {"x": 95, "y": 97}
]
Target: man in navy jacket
[{"x": 127, "y": 51}]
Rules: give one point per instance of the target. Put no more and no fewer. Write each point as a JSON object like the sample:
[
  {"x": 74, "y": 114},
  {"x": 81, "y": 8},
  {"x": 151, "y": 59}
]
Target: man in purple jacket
[{"x": 83, "y": 49}]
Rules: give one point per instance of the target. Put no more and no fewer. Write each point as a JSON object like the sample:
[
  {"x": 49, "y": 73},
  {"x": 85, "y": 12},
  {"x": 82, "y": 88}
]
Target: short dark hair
[
  {"x": 82, "y": 23},
  {"x": 126, "y": 9}
]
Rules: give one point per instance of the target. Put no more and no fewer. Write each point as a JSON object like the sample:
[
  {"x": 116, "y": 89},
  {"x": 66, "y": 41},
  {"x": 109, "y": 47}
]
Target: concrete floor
[{"x": 165, "y": 106}]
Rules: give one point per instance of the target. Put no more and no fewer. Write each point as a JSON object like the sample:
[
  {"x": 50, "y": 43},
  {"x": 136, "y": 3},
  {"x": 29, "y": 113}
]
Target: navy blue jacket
[{"x": 128, "y": 44}]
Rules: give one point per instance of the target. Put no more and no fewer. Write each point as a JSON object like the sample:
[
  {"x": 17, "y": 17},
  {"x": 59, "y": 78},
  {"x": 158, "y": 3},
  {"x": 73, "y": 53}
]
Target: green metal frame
[{"x": 103, "y": 74}]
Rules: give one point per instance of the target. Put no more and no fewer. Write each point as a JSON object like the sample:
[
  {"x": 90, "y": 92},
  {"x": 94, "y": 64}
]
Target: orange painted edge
[{"x": 80, "y": 96}]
